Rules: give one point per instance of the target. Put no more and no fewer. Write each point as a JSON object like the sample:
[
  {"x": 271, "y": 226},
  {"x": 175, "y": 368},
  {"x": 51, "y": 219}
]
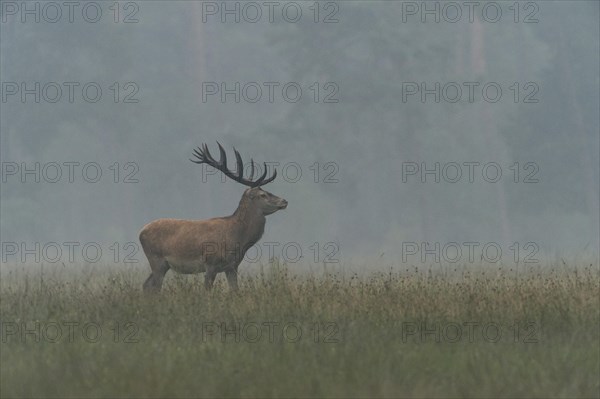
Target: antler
[{"x": 204, "y": 156}]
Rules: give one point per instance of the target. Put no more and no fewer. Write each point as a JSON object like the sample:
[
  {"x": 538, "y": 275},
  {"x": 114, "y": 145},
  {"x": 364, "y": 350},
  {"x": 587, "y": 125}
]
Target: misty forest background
[{"x": 369, "y": 53}]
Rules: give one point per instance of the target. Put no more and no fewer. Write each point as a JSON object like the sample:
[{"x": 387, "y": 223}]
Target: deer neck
[{"x": 250, "y": 223}]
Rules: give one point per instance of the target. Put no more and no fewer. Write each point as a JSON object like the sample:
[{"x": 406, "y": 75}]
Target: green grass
[{"x": 361, "y": 348}]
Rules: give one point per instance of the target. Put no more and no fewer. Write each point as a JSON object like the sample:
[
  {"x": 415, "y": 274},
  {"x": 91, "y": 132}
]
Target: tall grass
[{"x": 483, "y": 331}]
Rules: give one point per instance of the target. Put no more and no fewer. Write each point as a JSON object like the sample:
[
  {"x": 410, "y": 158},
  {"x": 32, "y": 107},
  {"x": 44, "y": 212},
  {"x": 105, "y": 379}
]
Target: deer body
[{"x": 209, "y": 246}]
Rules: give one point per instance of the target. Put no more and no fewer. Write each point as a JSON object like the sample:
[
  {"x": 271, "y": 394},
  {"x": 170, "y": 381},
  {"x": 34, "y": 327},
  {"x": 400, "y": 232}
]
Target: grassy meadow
[{"x": 485, "y": 331}]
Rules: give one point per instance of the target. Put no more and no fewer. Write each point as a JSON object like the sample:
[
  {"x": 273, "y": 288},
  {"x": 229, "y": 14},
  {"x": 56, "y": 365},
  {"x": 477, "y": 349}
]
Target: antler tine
[
  {"x": 261, "y": 181},
  {"x": 269, "y": 180},
  {"x": 240, "y": 164},
  {"x": 222, "y": 156},
  {"x": 251, "y": 169},
  {"x": 197, "y": 154},
  {"x": 206, "y": 155}
]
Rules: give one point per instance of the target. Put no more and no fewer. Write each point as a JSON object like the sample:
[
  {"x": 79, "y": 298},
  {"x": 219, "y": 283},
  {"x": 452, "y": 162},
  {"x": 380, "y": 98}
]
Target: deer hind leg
[{"x": 159, "y": 267}]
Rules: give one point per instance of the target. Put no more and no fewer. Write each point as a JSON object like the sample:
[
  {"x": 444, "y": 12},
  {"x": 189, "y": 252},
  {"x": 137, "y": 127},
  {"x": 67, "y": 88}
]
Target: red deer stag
[{"x": 214, "y": 245}]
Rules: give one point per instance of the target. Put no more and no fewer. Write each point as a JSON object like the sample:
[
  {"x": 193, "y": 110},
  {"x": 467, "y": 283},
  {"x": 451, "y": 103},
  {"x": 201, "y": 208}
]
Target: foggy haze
[{"x": 388, "y": 128}]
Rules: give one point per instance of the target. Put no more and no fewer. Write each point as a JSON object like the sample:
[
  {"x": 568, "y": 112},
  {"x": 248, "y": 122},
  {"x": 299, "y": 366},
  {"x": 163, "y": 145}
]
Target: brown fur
[{"x": 210, "y": 246}]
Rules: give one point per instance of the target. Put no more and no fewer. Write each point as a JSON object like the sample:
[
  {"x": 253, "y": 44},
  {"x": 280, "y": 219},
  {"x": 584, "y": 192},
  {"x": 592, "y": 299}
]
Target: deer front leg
[
  {"x": 232, "y": 278},
  {"x": 209, "y": 278}
]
